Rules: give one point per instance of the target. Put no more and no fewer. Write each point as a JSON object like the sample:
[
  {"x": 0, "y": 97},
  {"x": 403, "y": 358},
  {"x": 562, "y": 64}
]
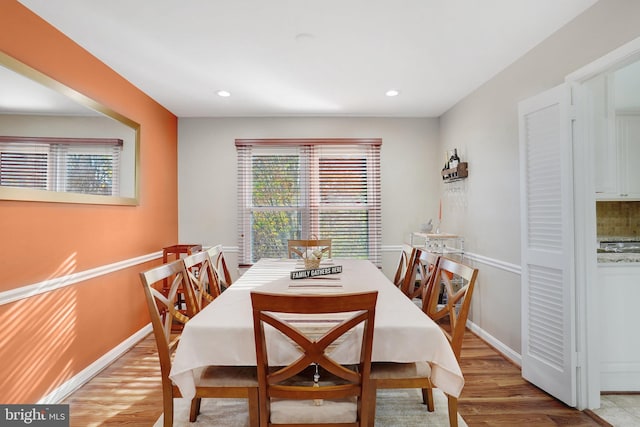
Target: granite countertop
[{"x": 618, "y": 257}]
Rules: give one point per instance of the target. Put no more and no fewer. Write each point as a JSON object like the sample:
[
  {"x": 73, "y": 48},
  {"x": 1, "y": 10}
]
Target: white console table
[{"x": 440, "y": 243}]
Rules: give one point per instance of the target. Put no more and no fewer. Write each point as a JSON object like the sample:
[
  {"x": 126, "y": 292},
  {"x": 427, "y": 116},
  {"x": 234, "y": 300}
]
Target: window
[
  {"x": 73, "y": 165},
  {"x": 302, "y": 189}
]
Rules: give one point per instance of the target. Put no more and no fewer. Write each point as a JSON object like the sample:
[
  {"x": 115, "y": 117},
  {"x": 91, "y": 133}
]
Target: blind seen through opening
[{"x": 73, "y": 165}]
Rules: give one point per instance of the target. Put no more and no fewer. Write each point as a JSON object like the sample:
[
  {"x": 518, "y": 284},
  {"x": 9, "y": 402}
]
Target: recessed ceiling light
[
  {"x": 392, "y": 92},
  {"x": 304, "y": 37},
  {"x": 223, "y": 93}
]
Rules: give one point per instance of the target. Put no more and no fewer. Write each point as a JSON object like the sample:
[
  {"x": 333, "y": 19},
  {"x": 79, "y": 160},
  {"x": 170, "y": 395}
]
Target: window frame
[{"x": 311, "y": 207}]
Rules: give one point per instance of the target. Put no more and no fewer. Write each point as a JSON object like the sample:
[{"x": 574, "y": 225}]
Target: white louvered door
[{"x": 548, "y": 289}]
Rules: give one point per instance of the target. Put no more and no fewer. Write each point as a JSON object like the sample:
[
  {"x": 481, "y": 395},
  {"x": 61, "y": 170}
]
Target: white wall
[
  {"x": 410, "y": 167},
  {"x": 485, "y": 126}
]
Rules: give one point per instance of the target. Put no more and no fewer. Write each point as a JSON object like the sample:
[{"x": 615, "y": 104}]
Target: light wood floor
[{"x": 128, "y": 392}]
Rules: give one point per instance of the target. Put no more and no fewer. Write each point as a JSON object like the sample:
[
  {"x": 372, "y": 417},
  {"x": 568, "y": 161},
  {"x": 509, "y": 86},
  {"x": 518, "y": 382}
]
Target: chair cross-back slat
[
  {"x": 457, "y": 281},
  {"x": 314, "y": 351},
  {"x": 220, "y": 266},
  {"x": 403, "y": 265},
  {"x": 410, "y": 271},
  {"x": 284, "y": 382},
  {"x": 203, "y": 278},
  {"x": 429, "y": 262},
  {"x": 166, "y": 306}
]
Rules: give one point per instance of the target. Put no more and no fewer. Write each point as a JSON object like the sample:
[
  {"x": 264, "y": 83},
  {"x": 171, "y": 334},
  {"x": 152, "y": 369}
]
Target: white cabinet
[
  {"x": 602, "y": 133},
  {"x": 618, "y": 163},
  {"x": 628, "y": 139},
  {"x": 616, "y": 137},
  {"x": 619, "y": 287}
]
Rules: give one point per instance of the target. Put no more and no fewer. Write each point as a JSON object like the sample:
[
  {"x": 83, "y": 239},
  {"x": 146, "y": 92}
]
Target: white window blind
[
  {"x": 74, "y": 165},
  {"x": 303, "y": 189}
]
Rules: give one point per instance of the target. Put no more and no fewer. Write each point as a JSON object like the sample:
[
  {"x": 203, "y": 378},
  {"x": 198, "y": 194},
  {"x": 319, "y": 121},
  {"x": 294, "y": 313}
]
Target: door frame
[{"x": 587, "y": 301}]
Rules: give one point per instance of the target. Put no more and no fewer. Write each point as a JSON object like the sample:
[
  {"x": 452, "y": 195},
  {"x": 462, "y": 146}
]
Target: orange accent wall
[{"x": 47, "y": 339}]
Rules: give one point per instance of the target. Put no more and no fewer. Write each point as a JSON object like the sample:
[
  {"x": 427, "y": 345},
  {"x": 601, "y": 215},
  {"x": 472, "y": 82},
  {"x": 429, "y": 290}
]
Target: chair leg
[
  {"x": 453, "y": 411},
  {"x": 254, "y": 408},
  {"x": 195, "y": 409},
  {"x": 263, "y": 404},
  {"x": 168, "y": 417},
  {"x": 167, "y": 403},
  {"x": 427, "y": 398},
  {"x": 372, "y": 406}
]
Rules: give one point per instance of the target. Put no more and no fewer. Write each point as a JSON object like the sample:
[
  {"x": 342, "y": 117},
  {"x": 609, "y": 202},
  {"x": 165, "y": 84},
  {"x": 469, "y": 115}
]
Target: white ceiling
[{"x": 303, "y": 57}]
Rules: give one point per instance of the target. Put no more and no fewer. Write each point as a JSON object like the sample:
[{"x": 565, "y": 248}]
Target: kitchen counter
[
  {"x": 618, "y": 258},
  {"x": 618, "y": 238}
]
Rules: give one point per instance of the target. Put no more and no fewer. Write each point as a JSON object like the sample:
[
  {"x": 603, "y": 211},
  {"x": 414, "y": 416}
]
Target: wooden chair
[
  {"x": 403, "y": 266},
  {"x": 177, "y": 251},
  {"x": 213, "y": 381},
  {"x": 409, "y": 272},
  {"x": 220, "y": 266},
  {"x": 299, "y": 247},
  {"x": 341, "y": 394},
  {"x": 428, "y": 263},
  {"x": 458, "y": 281},
  {"x": 203, "y": 278}
]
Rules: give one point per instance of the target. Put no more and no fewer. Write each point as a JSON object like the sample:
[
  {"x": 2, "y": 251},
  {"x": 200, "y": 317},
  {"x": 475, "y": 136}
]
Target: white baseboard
[
  {"x": 506, "y": 351},
  {"x": 95, "y": 368},
  {"x": 621, "y": 376}
]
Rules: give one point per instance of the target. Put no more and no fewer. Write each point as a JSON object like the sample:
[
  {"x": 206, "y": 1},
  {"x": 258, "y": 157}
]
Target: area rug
[{"x": 394, "y": 408}]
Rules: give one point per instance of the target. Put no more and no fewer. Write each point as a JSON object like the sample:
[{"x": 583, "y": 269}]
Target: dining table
[{"x": 222, "y": 332}]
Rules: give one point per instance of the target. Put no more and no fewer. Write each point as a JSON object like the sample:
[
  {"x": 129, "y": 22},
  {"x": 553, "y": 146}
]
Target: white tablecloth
[{"x": 222, "y": 333}]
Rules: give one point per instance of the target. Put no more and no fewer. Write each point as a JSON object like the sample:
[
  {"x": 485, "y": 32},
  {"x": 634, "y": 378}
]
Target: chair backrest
[
  {"x": 220, "y": 266},
  {"x": 428, "y": 263},
  {"x": 403, "y": 265},
  {"x": 300, "y": 247},
  {"x": 409, "y": 271},
  {"x": 456, "y": 281},
  {"x": 163, "y": 309},
  {"x": 276, "y": 310},
  {"x": 203, "y": 278}
]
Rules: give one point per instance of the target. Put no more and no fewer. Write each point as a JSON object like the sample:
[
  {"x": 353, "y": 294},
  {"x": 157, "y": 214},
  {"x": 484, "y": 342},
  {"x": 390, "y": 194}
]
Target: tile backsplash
[{"x": 618, "y": 218}]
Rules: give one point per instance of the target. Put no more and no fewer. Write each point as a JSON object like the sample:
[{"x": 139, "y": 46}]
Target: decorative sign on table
[{"x": 305, "y": 274}]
